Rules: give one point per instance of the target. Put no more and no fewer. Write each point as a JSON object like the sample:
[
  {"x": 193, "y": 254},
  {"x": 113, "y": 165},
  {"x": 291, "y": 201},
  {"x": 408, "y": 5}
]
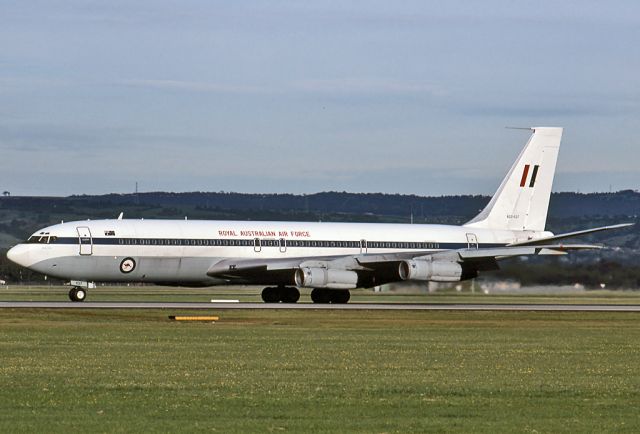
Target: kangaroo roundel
[{"x": 127, "y": 265}]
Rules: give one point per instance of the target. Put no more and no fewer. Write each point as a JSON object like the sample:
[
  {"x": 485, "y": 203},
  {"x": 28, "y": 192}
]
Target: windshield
[{"x": 42, "y": 238}]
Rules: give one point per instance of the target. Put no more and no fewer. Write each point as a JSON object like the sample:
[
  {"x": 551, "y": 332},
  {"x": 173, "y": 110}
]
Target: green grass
[{"x": 318, "y": 371}]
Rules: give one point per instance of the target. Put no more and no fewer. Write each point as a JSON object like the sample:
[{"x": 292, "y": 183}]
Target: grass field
[{"x": 319, "y": 371}]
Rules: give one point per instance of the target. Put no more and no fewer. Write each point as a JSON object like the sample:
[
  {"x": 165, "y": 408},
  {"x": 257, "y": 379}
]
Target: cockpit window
[{"x": 42, "y": 238}]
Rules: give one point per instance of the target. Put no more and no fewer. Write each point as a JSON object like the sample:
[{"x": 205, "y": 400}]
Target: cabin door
[
  {"x": 85, "y": 240},
  {"x": 472, "y": 241}
]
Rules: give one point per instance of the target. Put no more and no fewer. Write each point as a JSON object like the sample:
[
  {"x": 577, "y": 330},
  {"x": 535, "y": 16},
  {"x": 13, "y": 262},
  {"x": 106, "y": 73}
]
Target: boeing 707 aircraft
[{"x": 329, "y": 258}]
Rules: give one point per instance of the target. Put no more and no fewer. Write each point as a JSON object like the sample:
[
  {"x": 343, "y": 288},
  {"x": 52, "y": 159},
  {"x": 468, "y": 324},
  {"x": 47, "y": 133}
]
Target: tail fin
[{"x": 522, "y": 200}]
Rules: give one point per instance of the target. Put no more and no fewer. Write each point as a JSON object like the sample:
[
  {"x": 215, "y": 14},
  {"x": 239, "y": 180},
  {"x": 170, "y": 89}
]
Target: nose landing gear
[{"x": 77, "y": 294}]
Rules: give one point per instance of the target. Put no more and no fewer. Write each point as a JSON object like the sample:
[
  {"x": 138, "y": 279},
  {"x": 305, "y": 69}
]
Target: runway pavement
[{"x": 350, "y": 306}]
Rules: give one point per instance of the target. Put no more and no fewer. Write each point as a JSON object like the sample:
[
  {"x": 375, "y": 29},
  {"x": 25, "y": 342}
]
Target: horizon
[{"x": 300, "y": 194}]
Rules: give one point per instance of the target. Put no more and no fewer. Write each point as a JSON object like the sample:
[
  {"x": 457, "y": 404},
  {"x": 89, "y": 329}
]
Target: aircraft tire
[
  {"x": 290, "y": 294},
  {"x": 270, "y": 295},
  {"x": 340, "y": 297},
  {"x": 320, "y": 295},
  {"x": 77, "y": 294}
]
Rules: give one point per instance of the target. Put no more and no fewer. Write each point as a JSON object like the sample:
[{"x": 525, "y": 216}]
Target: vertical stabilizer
[{"x": 522, "y": 200}]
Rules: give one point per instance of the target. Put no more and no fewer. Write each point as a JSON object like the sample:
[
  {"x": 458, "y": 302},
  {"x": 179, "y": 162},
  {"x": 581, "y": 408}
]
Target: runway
[{"x": 303, "y": 306}]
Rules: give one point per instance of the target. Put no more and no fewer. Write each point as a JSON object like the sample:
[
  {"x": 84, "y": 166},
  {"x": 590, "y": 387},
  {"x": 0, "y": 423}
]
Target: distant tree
[{"x": 6, "y": 193}]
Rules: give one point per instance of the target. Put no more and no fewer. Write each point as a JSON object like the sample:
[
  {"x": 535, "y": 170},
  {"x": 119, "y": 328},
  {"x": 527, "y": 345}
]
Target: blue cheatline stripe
[{"x": 264, "y": 243}]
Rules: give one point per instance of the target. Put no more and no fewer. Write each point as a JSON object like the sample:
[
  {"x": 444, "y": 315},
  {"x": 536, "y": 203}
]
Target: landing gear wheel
[
  {"x": 284, "y": 294},
  {"x": 270, "y": 295},
  {"x": 290, "y": 294},
  {"x": 335, "y": 296},
  {"x": 340, "y": 297},
  {"x": 320, "y": 295},
  {"x": 77, "y": 294}
]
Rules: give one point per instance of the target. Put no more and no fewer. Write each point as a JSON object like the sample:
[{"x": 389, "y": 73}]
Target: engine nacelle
[
  {"x": 326, "y": 278},
  {"x": 435, "y": 271}
]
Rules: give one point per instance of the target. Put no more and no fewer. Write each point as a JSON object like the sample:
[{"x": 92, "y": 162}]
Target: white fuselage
[{"x": 180, "y": 252}]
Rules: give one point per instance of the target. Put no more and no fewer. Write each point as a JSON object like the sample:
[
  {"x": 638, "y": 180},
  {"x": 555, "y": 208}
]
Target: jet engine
[
  {"x": 307, "y": 277},
  {"x": 435, "y": 271}
]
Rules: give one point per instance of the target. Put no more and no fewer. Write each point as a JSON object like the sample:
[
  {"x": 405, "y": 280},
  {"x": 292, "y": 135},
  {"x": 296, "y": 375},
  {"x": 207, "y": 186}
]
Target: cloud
[
  {"x": 20, "y": 84},
  {"x": 369, "y": 86},
  {"x": 352, "y": 87},
  {"x": 73, "y": 139},
  {"x": 195, "y": 86},
  {"x": 549, "y": 104}
]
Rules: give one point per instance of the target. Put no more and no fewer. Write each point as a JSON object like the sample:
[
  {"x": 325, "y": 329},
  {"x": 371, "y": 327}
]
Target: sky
[{"x": 408, "y": 97}]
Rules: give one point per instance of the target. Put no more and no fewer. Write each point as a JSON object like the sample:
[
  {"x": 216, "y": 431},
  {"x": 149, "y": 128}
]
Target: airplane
[{"x": 328, "y": 258}]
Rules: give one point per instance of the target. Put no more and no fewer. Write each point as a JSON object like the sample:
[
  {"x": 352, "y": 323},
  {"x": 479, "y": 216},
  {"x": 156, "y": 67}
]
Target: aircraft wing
[{"x": 385, "y": 266}]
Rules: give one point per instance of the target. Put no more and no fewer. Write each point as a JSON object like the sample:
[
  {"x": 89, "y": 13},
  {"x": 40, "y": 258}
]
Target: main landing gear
[
  {"x": 290, "y": 294},
  {"x": 77, "y": 294},
  {"x": 336, "y": 296},
  {"x": 284, "y": 294}
]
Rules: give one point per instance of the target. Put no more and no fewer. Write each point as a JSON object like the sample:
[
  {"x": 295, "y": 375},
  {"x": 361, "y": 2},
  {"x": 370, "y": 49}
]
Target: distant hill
[
  {"x": 562, "y": 204},
  {"x": 622, "y": 203},
  {"x": 327, "y": 202},
  {"x": 20, "y": 216}
]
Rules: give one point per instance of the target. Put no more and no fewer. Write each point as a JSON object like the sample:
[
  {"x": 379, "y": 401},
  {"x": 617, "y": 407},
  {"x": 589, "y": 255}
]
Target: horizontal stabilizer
[{"x": 547, "y": 240}]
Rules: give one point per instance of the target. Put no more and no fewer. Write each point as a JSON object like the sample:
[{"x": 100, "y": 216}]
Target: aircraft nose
[{"x": 20, "y": 255}]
